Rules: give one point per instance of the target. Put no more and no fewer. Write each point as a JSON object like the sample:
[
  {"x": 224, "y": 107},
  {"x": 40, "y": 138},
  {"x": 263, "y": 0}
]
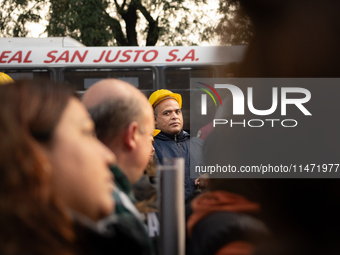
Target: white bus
[{"x": 148, "y": 68}]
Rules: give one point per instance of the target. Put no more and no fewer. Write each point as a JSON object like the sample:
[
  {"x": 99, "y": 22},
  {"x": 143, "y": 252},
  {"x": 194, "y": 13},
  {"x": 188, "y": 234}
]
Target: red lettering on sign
[
  {"x": 108, "y": 55},
  {"x": 155, "y": 52},
  {"x": 190, "y": 55},
  {"x": 174, "y": 56},
  {"x": 3, "y": 55},
  {"x": 100, "y": 58},
  {"x": 16, "y": 57},
  {"x": 51, "y": 56},
  {"x": 137, "y": 55},
  {"x": 26, "y": 60},
  {"x": 64, "y": 57},
  {"x": 125, "y": 54},
  {"x": 81, "y": 58}
]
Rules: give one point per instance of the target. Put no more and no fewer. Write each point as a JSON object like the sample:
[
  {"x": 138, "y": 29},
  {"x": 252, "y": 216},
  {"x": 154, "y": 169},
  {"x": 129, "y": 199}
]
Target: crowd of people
[{"x": 78, "y": 175}]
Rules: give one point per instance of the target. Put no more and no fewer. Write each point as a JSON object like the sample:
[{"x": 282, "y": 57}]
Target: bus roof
[{"x": 16, "y": 42}]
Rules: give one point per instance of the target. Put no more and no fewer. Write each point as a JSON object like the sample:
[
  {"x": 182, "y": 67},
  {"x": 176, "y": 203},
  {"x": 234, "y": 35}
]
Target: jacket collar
[
  {"x": 183, "y": 135},
  {"x": 122, "y": 181}
]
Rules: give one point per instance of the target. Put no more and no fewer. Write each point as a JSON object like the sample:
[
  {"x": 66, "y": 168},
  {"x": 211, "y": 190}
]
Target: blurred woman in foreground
[{"x": 54, "y": 173}]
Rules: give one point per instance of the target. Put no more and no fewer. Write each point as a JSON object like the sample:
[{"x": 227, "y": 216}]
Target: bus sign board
[{"x": 102, "y": 56}]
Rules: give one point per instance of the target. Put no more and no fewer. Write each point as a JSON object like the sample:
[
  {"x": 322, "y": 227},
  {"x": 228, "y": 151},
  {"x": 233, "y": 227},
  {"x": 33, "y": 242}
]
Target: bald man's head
[
  {"x": 114, "y": 104},
  {"x": 108, "y": 89}
]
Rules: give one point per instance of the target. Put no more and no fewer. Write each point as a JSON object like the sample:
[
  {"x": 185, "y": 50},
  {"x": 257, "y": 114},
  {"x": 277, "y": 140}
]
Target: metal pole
[{"x": 171, "y": 207}]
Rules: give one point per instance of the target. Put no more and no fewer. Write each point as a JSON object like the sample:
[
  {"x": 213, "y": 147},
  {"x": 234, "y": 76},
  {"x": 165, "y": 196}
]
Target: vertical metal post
[{"x": 171, "y": 207}]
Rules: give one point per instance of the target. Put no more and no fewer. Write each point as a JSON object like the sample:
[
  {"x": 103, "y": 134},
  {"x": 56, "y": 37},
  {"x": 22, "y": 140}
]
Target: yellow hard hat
[
  {"x": 156, "y": 132},
  {"x": 5, "y": 79},
  {"x": 162, "y": 94}
]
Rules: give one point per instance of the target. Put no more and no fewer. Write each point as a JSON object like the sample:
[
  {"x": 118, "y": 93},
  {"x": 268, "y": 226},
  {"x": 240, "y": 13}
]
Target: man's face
[
  {"x": 169, "y": 117},
  {"x": 144, "y": 144}
]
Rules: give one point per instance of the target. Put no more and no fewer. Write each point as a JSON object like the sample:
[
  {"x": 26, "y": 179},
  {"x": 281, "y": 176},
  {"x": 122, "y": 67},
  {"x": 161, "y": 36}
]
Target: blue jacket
[{"x": 175, "y": 146}]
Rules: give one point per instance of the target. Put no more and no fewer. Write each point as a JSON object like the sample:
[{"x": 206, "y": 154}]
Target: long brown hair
[{"x": 32, "y": 221}]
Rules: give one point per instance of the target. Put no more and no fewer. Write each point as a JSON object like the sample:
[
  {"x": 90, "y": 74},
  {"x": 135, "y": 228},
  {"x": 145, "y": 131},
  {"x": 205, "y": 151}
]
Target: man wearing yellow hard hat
[{"x": 173, "y": 141}]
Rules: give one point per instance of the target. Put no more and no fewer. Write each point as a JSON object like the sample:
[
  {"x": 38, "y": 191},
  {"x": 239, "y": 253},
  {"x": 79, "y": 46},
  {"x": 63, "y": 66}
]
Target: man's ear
[
  {"x": 155, "y": 118},
  {"x": 131, "y": 135}
]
